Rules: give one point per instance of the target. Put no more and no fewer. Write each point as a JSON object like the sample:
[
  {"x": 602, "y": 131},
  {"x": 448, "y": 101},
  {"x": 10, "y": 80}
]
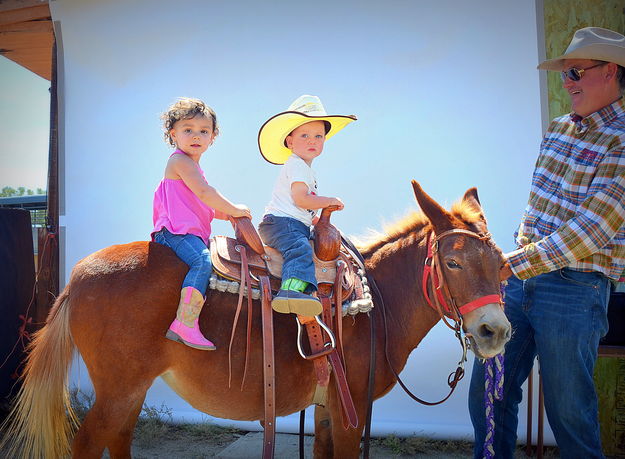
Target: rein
[
  {"x": 434, "y": 274},
  {"x": 454, "y": 377}
]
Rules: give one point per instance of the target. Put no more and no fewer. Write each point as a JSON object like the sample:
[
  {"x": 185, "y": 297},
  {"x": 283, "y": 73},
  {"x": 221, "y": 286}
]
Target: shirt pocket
[{"x": 578, "y": 177}]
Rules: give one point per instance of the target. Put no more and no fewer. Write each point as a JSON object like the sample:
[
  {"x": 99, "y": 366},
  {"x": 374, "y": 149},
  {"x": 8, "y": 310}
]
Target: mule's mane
[{"x": 415, "y": 222}]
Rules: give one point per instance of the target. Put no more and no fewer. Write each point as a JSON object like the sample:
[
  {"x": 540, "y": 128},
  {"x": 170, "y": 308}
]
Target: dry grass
[
  {"x": 414, "y": 446},
  {"x": 155, "y": 424}
]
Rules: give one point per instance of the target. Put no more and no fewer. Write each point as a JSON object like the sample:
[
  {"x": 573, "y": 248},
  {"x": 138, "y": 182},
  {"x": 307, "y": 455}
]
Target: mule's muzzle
[{"x": 490, "y": 333}]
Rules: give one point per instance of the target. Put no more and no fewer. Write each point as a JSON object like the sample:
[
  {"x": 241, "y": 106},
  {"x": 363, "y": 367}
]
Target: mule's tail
[{"x": 42, "y": 422}]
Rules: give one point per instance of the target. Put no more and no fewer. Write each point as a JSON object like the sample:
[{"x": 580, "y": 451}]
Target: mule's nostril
[{"x": 485, "y": 331}]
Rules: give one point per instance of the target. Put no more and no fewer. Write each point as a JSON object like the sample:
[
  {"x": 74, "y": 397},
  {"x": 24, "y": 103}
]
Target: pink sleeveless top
[{"x": 176, "y": 208}]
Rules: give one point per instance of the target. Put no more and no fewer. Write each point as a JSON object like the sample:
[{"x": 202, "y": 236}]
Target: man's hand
[{"x": 505, "y": 272}]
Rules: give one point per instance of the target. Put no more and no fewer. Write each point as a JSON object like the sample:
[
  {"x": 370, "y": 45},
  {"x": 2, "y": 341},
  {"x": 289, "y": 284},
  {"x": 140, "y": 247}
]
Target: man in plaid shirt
[{"x": 571, "y": 245}]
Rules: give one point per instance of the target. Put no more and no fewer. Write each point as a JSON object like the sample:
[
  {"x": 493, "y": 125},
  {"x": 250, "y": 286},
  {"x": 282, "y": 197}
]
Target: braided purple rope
[{"x": 493, "y": 390}]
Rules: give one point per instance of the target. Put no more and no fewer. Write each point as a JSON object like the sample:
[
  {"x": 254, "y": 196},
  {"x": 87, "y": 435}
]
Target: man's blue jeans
[
  {"x": 559, "y": 316},
  {"x": 192, "y": 250},
  {"x": 292, "y": 239}
]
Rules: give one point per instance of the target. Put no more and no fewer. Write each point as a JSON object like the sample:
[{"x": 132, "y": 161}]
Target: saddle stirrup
[{"x": 327, "y": 347}]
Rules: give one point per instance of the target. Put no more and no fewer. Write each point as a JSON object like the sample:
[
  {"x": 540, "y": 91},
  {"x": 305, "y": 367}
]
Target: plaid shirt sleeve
[{"x": 598, "y": 219}]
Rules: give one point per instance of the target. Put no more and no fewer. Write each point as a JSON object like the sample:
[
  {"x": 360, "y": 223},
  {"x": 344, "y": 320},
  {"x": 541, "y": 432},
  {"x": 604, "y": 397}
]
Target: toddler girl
[{"x": 184, "y": 206}]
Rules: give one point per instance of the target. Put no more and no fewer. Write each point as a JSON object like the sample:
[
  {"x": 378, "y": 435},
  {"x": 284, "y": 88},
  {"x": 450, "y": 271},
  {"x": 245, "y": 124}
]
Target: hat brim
[
  {"x": 275, "y": 130},
  {"x": 596, "y": 51}
]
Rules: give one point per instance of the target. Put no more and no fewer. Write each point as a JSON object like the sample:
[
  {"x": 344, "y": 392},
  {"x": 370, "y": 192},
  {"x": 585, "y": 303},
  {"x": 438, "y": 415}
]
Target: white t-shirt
[{"x": 294, "y": 169}]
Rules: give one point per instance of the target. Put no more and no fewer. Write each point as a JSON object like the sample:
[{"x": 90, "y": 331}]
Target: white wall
[{"x": 446, "y": 93}]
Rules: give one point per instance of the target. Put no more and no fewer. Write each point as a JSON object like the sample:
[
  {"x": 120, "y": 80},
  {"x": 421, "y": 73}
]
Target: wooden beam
[
  {"x": 34, "y": 58},
  {"x": 7, "y": 5},
  {"x": 27, "y": 45},
  {"x": 24, "y": 40},
  {"x": 25, "y": 14},
  {"x": 30, "y": 26},
  {"x": 26, "y": 34}
]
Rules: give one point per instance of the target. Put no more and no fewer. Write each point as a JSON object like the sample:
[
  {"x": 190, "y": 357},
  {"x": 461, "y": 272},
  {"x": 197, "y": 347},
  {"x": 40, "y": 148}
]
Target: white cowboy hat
[
  {"x": 591, "y": 43},
  {"x": 304, "y": 109}
]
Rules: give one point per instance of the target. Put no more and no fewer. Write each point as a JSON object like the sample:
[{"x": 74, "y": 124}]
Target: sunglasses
[{"x": 575, "y": 74}]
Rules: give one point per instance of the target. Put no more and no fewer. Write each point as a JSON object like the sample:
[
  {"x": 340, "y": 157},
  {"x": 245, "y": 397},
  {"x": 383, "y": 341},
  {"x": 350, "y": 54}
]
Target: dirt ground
[
  {"x": 199, "y": 441},
  {"x": 196, "y": 441},
  {"x": 189, "y": 443},
  {"x": 156, "y": 437}
]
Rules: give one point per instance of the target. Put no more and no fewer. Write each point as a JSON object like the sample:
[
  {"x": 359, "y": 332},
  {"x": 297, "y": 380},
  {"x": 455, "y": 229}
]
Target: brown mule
[{"x": 114, "y": 289}]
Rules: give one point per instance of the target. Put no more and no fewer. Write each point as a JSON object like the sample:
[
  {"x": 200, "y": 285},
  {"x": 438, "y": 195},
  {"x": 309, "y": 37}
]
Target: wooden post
[{"x": 48, "y": 260}]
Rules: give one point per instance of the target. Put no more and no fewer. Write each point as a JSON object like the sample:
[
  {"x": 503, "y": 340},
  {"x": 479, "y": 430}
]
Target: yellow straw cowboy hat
[
  {"x": 272, "y": 134},
  {"x": 591, "y": 43}
]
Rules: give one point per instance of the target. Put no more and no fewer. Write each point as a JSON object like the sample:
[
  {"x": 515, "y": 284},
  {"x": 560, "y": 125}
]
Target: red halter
[{"x": 432, "y": 269}]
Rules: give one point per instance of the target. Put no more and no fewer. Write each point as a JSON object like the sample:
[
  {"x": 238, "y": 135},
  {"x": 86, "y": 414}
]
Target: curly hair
[{"x": 186, "y": 108}]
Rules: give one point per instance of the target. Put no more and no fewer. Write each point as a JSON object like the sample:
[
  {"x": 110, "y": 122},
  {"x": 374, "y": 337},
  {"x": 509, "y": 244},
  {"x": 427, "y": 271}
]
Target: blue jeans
[
  {"x": 192, "y": 250},
  {"x": 291, "y": 238},
  {"x": 559, "y": 317}
]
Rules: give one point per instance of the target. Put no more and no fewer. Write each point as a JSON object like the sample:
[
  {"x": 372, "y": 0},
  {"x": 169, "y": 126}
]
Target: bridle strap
[
  {"x": 482, "y": 301},
  {"x": 434, "y": 278}
]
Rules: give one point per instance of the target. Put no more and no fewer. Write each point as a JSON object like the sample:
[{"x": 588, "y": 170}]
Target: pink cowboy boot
[{"x": 185, "y": 329}]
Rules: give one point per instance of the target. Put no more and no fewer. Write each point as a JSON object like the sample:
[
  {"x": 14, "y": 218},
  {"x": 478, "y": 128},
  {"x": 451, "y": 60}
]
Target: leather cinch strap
[
  {"x": 317, "y": 346},
  {"x": 322, "y": 355},
  {"x": 338, "y": 308},
  {"x": 349, "y": 415},
  {"x": 268, "y": 370}
]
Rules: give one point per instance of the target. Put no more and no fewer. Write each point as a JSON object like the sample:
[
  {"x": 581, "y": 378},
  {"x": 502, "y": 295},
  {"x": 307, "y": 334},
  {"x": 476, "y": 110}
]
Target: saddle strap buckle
[{"x": 324, "y": 349}]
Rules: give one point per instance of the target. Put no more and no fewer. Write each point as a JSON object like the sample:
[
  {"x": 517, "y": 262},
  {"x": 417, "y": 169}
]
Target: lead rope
[{"x": 493, "y": 390}]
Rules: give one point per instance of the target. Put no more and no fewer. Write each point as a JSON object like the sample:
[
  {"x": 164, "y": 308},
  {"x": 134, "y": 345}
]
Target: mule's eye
[{"x": 452, "y": 264}]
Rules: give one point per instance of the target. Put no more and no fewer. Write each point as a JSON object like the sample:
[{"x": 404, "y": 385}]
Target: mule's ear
[
  {"x": 471, "y": 198},
  {"x": 471, "y": 195},
  {"x": 439, "y": 217}
]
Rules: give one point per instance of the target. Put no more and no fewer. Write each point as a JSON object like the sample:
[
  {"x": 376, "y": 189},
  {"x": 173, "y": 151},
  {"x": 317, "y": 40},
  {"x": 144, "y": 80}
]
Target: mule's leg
[
  {"x": 119, "y": 446},
  {"x": 109, "y": 423},
  {"x": 322, "y": 447},
  {"x": 345, "y": 443}
]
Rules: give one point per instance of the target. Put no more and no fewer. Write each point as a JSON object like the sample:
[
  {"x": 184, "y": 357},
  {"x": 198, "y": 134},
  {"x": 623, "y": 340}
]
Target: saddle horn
[
  {"x": 245, "y": 232},
  {"x": 327, "y": 237}
]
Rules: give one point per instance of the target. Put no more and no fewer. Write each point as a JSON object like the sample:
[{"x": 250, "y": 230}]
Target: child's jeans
[
  {"x": 292, "y": 239},
  {"x": 192, "y": 250}
]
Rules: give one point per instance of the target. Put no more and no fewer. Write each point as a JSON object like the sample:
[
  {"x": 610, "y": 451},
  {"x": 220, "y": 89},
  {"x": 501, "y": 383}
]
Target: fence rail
[{"x": 36, "y": 204}]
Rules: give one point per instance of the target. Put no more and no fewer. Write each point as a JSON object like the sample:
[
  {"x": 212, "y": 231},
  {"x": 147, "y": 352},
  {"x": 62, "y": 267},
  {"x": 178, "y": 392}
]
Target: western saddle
[{"x": 340, "y": 277}]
